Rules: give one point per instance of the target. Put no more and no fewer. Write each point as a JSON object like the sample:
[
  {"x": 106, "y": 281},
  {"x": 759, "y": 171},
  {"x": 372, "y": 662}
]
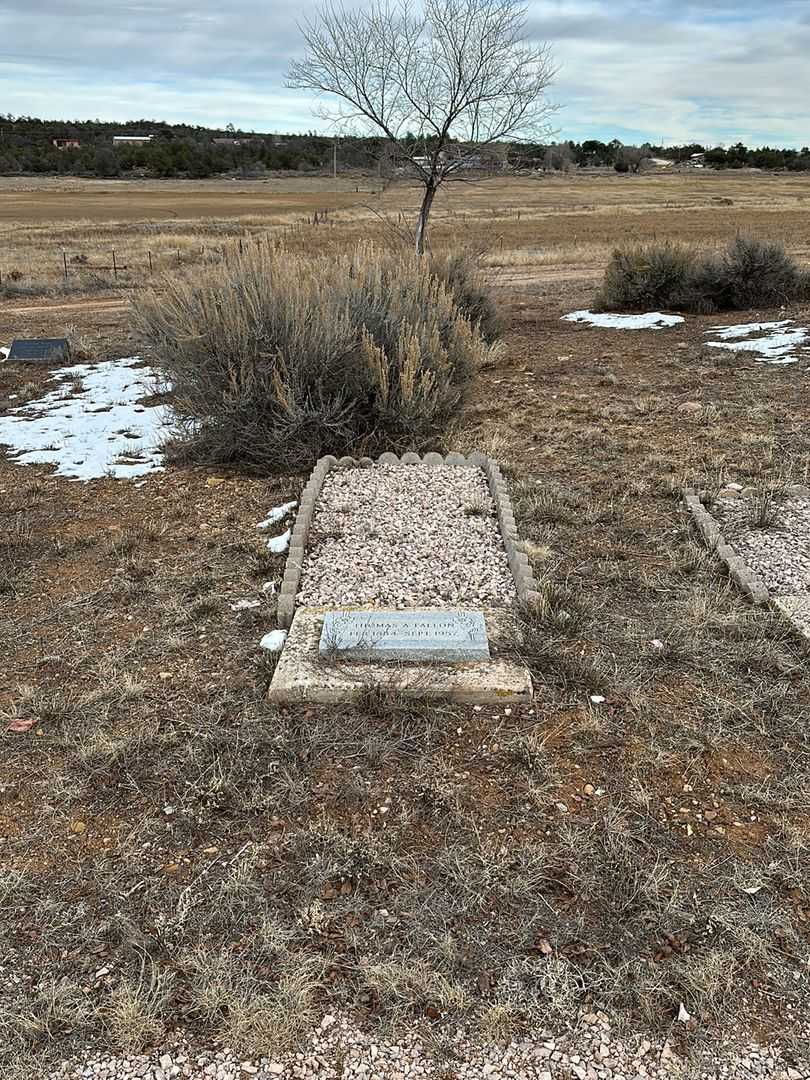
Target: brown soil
[{"x": 625, "y": 834}]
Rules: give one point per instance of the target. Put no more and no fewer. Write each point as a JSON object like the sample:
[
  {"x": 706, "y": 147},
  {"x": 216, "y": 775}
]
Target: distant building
[
  {"x": 244, "y": 140},
  {"x": 696, "y": 161},
  {"x": 66, "y": 144},
  {"x": 131, "y": 140}
]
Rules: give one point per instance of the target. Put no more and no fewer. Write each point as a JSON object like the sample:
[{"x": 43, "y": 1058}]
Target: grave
[
  {"x": 39, "y": 351},
  {"x": 441, "y": 636},
  {"x": 403, "y": 574}
]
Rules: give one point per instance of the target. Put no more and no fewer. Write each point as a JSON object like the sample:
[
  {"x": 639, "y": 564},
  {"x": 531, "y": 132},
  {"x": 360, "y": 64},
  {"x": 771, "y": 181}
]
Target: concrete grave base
[{"x": 303, "y": 675}]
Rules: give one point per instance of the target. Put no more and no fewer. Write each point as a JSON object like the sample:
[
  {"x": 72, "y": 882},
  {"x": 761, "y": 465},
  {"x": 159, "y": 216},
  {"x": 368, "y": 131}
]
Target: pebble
[
  {"x": 779, "y": 554},
  {"x": 586, "y": 1050},
  {"x": 403, "y": 536}
]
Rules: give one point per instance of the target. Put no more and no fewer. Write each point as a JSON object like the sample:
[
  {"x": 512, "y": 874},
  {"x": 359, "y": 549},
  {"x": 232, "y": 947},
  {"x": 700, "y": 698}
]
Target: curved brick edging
[
  {"x": 739, "y": 571},
  {"x": 298, "y": 540},
  {"x": 519, "y": 564},
  {"x": 525, "y": 584}
]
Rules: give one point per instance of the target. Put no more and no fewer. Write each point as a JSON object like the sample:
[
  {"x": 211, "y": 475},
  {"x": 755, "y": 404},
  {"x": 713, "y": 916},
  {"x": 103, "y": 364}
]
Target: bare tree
[
  {"x": 632, "y": 158},
  {"x": 441, "y": 84},
  {"x": 558, "y": 158}
]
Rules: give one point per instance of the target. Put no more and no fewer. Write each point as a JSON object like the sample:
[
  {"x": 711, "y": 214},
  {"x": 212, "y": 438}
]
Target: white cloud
[{"x": 713, "y": 70}]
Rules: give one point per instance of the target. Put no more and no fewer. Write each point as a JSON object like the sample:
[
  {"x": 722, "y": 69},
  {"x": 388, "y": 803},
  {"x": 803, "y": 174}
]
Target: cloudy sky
[{"x": 679, "y": 70}]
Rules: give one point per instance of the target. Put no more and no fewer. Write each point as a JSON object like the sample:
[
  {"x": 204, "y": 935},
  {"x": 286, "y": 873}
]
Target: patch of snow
[
  {"x": 245, "y": 605},
  {"x": 269, "y": 587},
  {"x": 274, "y": 641},
  {"x": 653, "y": 320},
  {"x": 276, "y": 514},
  {"x": 91, "y": 426},
  {"x": 771, "y": 342},
  {"x": 741, "y": 330},
  {"x": 279, "y": 544},
  {"x": 4, "y": 352}
]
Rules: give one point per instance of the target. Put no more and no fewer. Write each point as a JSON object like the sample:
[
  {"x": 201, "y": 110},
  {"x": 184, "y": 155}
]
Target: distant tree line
[
  {"x": 175, "y": 150},
  {"x": 182, "y": 150},
  {"x": 626, "y": 158}
]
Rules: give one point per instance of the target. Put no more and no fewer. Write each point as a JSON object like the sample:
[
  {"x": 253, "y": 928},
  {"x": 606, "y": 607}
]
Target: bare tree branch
[{"x": 441, "y": 84}]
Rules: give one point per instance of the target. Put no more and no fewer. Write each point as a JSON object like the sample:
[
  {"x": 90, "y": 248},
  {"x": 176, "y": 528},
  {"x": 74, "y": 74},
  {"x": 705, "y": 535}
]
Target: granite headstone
[
  {"x": 39, "y": 351},
  {"x": 419, "y": 636}
]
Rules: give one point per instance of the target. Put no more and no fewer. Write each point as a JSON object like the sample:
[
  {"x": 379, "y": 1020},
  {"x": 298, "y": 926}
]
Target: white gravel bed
[
  {"x": 780, "y": 553},
  {"x": 406, "y": 536},
  {"x": 589, "y": 1051}
]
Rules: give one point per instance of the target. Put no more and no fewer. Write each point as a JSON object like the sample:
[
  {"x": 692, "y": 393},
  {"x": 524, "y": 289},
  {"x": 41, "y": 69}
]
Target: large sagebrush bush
[
  {"x": 648, "y": 276},
  {"x": 276, "y": 358},
  {"x": 748, "y": 273}
]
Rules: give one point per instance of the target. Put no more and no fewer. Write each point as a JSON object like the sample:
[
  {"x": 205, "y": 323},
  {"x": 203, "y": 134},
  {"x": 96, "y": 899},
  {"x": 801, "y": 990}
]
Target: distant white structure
[
  {"x": 697, "y": 161},
  {"x": 131, "y": 140}
]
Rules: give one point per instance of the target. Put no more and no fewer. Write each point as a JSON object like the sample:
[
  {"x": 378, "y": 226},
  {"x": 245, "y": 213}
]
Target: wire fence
[{"x": 71, "y": 265}]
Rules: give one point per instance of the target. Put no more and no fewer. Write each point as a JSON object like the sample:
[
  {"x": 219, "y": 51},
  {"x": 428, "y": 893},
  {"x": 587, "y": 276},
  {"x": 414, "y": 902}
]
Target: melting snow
[
  {"x": 774, "y": 342},
  {"x": 91, "y": 426},
  {"x": 273, "y": 641},
  {"x": 245, "y": 605},
  {"x": 276, "y": 514},
  {"x": 4, "y": 352},
  {"x": 653, "y": 320},
  {"x": 279, "y": 544}
]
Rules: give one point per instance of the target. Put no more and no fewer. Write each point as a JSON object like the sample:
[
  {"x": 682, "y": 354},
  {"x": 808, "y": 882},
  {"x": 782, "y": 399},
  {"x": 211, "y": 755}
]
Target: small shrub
[
  {"x": 749, "y": 273},
  {"x": 763, "y": 510},
  {"x": 276, "y": 359},
  {"x": 647, "y": 276}
]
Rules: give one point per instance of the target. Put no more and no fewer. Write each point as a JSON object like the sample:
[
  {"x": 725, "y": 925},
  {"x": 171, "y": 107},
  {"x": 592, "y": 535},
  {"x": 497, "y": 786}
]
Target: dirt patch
[{"x": 635, "y": 839}]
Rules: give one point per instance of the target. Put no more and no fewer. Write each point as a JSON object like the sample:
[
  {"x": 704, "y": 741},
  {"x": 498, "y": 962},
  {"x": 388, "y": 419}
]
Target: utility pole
[{"x": 334, "y": 159}]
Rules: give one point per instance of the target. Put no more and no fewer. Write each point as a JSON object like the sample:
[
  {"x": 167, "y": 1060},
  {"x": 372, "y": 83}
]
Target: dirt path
[{"x": 89, "y": 304}]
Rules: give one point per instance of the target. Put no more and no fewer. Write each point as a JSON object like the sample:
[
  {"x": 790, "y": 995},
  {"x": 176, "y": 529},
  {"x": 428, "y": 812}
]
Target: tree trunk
[{"x": 424, "y": 214}]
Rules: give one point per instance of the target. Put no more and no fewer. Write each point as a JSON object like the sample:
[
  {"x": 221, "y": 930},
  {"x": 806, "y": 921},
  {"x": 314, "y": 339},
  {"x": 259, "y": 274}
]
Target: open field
[
  {"x": 175, "y": 851},
  {"x": 524, "y": 225}
]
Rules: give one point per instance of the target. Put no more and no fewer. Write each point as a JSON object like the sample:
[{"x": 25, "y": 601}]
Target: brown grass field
[{"x": 635, "y": 855}]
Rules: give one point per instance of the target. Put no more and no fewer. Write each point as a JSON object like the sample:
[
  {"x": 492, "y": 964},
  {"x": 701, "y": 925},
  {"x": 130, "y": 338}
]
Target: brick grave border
[
  {"x": 795, "y": 608},
  {"x": 525, "y": 583}
]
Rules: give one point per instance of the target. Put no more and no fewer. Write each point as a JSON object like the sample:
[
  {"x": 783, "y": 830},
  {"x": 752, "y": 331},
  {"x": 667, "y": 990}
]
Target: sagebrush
[
  {"x": 748, "y": 273},
  {"x": 276, "y": 358}
]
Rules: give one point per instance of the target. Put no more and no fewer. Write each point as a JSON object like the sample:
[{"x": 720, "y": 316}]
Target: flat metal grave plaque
[
  {"x": 39, "y": 350},
  {"x": 439, "y": 636}
]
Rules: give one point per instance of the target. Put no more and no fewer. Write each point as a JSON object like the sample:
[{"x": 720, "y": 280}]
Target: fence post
[
  {"x": 149, "y": 253},
  {"x": 115, "y": 268},
  {"x": 64, "y": 263}
]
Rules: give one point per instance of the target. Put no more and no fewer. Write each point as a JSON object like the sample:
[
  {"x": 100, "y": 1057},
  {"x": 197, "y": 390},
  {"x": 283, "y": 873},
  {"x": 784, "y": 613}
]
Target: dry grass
[
  {"x": 243, "y": 869},
  {"x": 519, "y": 223}
]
